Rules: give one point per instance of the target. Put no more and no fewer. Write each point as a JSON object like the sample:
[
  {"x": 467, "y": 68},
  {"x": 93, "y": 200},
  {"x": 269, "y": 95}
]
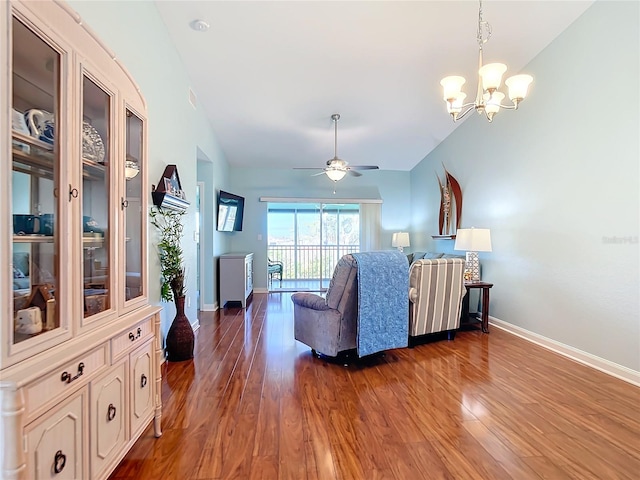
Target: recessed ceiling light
[{"x": 200, "y": 25}]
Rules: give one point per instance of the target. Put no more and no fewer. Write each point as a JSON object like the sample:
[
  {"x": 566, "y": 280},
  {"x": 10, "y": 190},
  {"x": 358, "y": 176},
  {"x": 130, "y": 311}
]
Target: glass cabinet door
[
  {"x": 96, "y": 198},
  {"x": 132, "y": 206},
  {"x": 35, "y": 184}
]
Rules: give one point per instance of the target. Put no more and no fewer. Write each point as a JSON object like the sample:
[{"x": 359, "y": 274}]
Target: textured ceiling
[{"x": 270, "y": 74}]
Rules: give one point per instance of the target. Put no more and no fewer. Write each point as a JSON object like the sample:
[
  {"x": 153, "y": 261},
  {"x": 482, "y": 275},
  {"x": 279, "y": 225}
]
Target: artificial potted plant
[{"x": 180, "y": 337}]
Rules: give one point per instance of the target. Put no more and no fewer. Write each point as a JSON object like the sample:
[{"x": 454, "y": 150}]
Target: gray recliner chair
[{"x": 329, "y": 325}]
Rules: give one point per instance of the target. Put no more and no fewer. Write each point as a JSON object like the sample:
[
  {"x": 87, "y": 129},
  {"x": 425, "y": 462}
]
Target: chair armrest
[
  {"x": 310, "y": 300},
  {"x": 413, "y": 295}
]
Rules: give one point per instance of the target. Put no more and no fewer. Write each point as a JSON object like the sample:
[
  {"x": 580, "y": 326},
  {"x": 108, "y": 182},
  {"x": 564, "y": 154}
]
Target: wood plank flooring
[{"x": 255, "y": 404}]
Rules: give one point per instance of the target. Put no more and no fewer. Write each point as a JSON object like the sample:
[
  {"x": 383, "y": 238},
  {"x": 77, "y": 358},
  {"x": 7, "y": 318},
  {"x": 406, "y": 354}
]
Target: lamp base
[
  {"x": 472, "y": 265},
  {"x": 400, "y": 249}
]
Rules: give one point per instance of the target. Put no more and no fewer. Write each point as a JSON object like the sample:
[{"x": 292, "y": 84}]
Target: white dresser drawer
[
  {"x": 60, "y": 382},
  {"x": 55, "y": 442},
  {"x": 131, "y": 339}
]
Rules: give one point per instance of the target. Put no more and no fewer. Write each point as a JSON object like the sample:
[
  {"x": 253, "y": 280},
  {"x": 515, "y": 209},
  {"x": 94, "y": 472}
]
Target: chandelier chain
[{"x": 483, "y": 36}]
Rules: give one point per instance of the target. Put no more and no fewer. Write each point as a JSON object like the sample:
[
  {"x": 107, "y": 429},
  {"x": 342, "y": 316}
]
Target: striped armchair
[{"x": 436, "y": 290}]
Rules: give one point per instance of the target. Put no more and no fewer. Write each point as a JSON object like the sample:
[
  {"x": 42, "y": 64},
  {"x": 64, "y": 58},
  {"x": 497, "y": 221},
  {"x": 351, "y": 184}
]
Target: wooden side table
[{"x": 485, "y": 302}]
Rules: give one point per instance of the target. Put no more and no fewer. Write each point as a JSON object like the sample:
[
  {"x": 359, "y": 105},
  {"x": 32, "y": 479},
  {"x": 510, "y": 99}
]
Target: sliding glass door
[{"x": 309, "y": 239}]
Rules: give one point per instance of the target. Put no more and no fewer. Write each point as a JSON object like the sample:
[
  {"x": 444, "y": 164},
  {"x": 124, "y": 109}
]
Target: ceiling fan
[{"x": 337, "y": 168}]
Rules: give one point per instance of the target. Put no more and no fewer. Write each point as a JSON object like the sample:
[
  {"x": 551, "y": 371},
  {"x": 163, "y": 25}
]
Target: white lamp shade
[
  {"x": 492, "y": 102},
  {"x": 473, "y": 240},
  {"x": 455, "y": 106},
  {"x": 452, "y": 86},
  {"x": 491, "y": 74},
  {"x": 335, "y": 174},
  {"x": 518, "y": 86},
  {"x": 400, "y": 239}
]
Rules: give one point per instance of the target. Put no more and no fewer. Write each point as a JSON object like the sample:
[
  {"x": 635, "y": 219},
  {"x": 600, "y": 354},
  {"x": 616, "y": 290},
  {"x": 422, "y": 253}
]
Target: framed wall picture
[
  {"x": 169, "y": 192},
  {"x": 168, "y": 186}
]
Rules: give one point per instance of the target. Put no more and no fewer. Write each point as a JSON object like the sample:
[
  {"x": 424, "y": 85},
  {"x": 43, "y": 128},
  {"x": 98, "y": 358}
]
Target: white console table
[{"x": 236, "y": 278}]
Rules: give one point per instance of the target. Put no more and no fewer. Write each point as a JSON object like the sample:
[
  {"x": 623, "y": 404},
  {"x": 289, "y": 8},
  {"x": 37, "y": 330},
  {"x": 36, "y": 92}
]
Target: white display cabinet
[{"x": 80, "y": 346}]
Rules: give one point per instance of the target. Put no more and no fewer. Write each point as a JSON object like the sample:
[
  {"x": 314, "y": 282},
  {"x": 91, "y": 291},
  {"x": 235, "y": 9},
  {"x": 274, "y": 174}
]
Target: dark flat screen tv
[{"x": 230, "y": 212}]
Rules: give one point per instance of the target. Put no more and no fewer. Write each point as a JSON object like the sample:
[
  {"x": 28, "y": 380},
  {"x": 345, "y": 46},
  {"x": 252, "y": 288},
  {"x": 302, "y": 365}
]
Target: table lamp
[
  {"x": 473, "y": 240},
  {"x": 400, "y": 240}
]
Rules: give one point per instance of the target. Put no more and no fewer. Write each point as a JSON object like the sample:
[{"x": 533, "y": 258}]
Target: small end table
[{"x": 485, "y": 302}]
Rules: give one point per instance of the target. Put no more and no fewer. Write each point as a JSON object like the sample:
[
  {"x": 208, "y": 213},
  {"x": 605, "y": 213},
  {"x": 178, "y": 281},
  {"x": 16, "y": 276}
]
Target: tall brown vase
[{"x": 179, "y": 341}]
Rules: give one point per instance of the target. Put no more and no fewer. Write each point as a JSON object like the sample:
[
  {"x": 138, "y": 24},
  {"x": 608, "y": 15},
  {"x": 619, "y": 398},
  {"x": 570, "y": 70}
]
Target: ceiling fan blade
[
  {"x": 364, "y": 167},
  {"x": 353, "y": 173},
  {"x": 319, "y": 173}
]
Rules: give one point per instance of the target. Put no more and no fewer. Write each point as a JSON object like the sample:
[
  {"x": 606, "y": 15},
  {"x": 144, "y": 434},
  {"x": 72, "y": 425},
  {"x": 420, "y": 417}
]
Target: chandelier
[{"x": 488, "y": 98}]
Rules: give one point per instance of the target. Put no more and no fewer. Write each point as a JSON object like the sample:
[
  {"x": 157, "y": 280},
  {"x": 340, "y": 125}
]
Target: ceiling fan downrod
[{"x": 335, "y": 117}]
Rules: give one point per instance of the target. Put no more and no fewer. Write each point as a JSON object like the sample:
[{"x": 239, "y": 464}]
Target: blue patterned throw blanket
[{"x": 383, "y": 301}]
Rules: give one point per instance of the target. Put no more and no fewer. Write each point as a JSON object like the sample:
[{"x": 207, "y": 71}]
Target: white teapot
[{"x": 40, "y": 124}]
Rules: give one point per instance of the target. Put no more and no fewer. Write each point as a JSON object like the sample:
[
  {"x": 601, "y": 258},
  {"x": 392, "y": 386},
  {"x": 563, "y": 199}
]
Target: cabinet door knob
[
  {"x": 59, "y": 461},
  {"x": 143, "y": 381},
  {"x": 111, "y": 412},
  {"x": 73, "y": 192},
  {"x": 123, "y": 203}
]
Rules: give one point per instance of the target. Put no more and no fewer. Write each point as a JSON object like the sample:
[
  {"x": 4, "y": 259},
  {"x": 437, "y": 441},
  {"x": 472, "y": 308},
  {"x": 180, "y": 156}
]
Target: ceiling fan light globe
[{"x": 335, "y": 174}]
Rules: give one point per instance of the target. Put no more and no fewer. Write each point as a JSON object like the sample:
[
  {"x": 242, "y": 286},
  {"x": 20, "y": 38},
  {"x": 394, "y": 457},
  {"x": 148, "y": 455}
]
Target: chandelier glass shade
[{"x": 488, "y": 99}]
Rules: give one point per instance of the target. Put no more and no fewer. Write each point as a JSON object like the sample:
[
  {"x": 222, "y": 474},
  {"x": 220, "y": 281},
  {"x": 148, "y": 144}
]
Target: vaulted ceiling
[{"x": 269, "y": 74}]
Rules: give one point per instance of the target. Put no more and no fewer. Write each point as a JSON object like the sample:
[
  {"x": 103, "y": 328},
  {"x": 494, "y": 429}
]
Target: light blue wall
[
  {"x": 178, "y": 133},
  {"x": 555, "y": 181},
  {"x": 253, "y": 183}
]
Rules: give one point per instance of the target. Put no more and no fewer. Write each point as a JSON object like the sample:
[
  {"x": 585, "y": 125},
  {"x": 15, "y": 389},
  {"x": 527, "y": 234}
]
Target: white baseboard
[
  {"x": 605, "y": 366},
  {"x": 207, "y": 307},
  {"x": 261, "y": 290}
]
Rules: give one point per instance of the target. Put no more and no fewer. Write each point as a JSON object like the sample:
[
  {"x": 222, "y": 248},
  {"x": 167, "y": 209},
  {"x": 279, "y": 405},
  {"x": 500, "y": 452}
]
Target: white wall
[
  {"x": 555, "y": 182},
  {"x": 177, "y": 131}
]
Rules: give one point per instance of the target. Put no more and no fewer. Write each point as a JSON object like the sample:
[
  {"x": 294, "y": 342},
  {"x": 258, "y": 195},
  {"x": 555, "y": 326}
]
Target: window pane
[
  {"x": 35, "y": 177},
  {"x": 133, "y": 207},
  {"x": 95, "y": 198}
]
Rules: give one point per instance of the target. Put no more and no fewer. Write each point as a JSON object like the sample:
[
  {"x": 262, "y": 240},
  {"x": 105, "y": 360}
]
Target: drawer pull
[
  {"x": 111, "y": 412},
  {"x": 66, "y": 376},
  {"x": 132, "y": 337},
  {"x": 143, "y": 381},
  {"x": 59, "y": 461}
]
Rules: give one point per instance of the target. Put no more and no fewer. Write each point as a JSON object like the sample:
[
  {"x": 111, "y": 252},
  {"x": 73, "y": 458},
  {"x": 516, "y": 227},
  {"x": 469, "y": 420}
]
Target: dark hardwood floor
[{"x": 255, "y": 404}]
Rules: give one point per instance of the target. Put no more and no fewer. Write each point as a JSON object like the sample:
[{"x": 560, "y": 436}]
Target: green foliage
[{"x": 169, "y": 226}]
